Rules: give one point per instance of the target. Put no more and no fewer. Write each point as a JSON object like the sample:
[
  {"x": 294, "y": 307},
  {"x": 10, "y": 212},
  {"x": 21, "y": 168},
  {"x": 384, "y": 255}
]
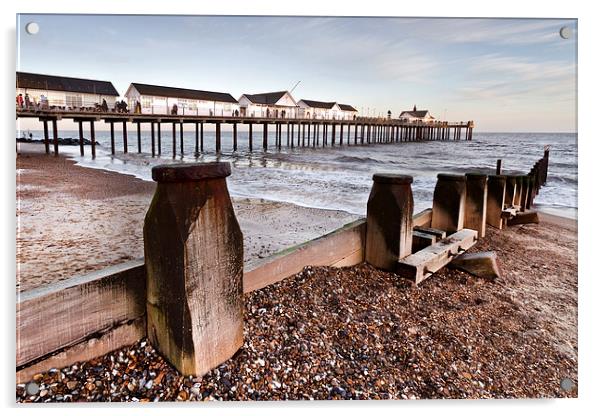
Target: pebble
[{"x": 353, "y": 346}]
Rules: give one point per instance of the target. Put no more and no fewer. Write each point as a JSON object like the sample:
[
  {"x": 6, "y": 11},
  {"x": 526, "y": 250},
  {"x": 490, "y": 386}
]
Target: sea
[{"x": 340, "y": 177}]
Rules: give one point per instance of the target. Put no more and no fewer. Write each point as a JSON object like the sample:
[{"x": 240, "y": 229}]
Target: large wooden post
[
  {"x": 340, "y": 135},
  {"x": 496, "y": 191},
  {"x": 93, "y": 139},
  {"x": 510, "y": 190},
  {"x": 519, "y": 190},
  {"x": 389, "y": 220},
  {"x": 193, "y": 251},
  {"x": 112, "y": 137},
  {"x": 291, "y": 126},
  {"x": 449, "y": 203},
  {"x": 299, "y": 134},
  {"x": 525, "y": 192},
  {"x": 476, "y": 202},
  {"x": 46, "y": 139},
  {"x": 355, "y": 135},
  {"x": 125, "y": 137},
  {"x": 265, "y": 136},
  {"x": 498, "y": 167},
  {"x": 81, "y": 137},
  {"x": 55, "y": 137}
]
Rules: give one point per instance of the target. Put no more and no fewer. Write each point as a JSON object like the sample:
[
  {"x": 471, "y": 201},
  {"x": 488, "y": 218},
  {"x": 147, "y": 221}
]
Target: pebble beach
[{"x": 362, "y": 334}]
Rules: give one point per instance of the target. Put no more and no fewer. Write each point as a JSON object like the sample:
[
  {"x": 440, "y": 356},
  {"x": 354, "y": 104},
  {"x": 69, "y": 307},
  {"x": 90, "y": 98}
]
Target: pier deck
[{"x": 307, "y": 132}]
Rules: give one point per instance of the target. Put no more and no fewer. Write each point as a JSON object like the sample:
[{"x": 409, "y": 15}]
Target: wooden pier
[{"x": 300, "y": 132}]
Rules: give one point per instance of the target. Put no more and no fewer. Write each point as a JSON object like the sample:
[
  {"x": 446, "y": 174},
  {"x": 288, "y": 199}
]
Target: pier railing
[{"x": 85, "y": 317}]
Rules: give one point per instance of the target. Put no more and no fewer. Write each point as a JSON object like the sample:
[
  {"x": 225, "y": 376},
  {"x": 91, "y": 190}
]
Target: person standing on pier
[
  {"x": 104, "y": 106},
  {"x": 43, "y": 102},
  {"x": 20, "y": 100},
  {"x": 27, "y": 101}
]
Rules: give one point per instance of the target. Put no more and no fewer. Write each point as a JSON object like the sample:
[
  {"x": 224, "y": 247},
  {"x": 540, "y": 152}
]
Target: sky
[{"x": 508, "y": 75}]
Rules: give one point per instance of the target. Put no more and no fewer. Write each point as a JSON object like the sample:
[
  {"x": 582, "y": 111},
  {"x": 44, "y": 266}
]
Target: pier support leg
[
  {"x": 112, "y": 138},
  {"x": 218, "y": 137},
  {"x": 153, "y": 138},
  {"x": 139, "y": 138},
  {"x": 250, "y": 137},
  {"x": 181, "y": 139},
  {"x": 46, "y": 139},
  {"x": 389, "y": 220},
  {"x": 173, "y": 139},
  {"x": 81, "y": 137},
  {"x": 193, "y": 250},
  {"x": 265, "y": 137},
  {"x": 159, "y": 137},
  {"x": 202, "y": 125},
  {"x": 341, "y": 136},
  {"x": 234, "y": 137},
  {"x": 55, "y": 137},
  {"x": 299, "y": 134},
  {"x": 476, "y": 202},
  {"x": 93, "y": 139},
  {"x": 125, "y": 137},
  {"x": 196, "y": 140},
  {"x": 496, "y": 190},
  {"x": 449, "y": 203}
]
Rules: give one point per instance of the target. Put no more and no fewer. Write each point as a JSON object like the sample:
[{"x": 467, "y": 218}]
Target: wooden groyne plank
[
  {"x": 344, "y": 246},
  {"x": 424, "y": 263},
  {"x": 66, "y": 313}
]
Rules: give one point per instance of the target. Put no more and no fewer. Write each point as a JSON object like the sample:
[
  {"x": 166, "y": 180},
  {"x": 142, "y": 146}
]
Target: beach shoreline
[{"x": 72, "y": 220}]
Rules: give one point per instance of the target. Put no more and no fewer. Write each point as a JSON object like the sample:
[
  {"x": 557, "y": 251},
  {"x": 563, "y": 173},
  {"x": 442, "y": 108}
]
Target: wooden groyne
[
  {"x": 85, "y": 317},
  {"x": 289, "y": 132}
]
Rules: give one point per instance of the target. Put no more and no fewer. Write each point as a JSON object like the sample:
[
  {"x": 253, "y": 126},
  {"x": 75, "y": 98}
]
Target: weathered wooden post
[
  {"x": 476, "y": 202},
  {"x": 125, "y": 136},
  {"x": 389, "y": 220},
  {"x": 153, "y": 138},
  {"x": 525, "y": 192},
  {"x": 519, "y": 190},
  {"x": 449, "y": 203},
  {"x": 193, "y": 251},
  {"x": 496, "y": 191},
  {"x": 498, "y": 168},
  {"x": 510, "y": 191}
]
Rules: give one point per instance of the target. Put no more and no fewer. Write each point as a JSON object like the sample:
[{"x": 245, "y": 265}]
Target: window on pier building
[{"x": 146, "y": 102}]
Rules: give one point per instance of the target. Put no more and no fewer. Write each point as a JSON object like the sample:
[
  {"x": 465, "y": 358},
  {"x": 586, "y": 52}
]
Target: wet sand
[{"x": 73, "y": 220}]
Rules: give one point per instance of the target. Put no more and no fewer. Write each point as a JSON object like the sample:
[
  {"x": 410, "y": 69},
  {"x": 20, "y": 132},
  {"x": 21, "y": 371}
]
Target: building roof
[
  {"x": 269, "y": 98},
  {"x": 346, "y": 107},
  {"x": 159, "y": 91},
  {"x": 417, "y": 114},
  {"x": 319, "y": 104},
  {"x": 59, "y": 83}
]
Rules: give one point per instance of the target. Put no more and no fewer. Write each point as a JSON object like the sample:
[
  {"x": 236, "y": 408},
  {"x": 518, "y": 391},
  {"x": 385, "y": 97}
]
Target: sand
[{"x": 73, "y": 220}]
